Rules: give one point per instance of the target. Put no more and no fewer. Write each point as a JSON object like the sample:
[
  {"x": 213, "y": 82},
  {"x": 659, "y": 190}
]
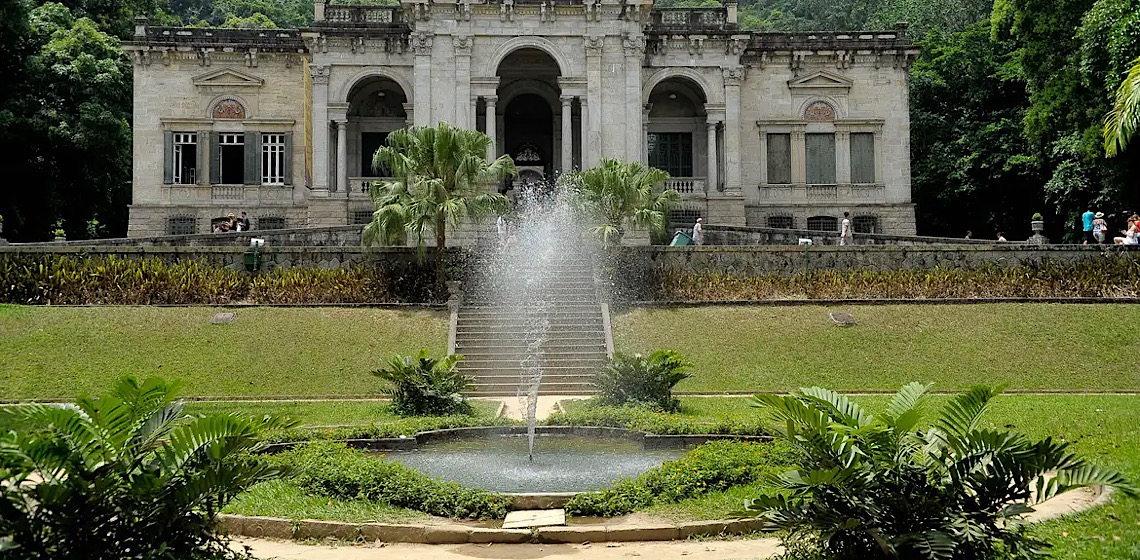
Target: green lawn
[
  {"x": 1103, "y": 428},
  {"x": 61, "y": 351},
  {"x": 1026, "y": 346}
]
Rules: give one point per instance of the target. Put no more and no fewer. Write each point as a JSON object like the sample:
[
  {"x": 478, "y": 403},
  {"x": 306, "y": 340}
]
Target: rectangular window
[
  {"x": 779, "y": 159},
  {"x": 672, "y": 152},
  {"x": 181, "y": 225},
  {"x": 862, "y": 157},
  {"x": 273, "y": 159},
  {"x": 231, "y": 148},
  {"x": 370, "y": 142},
  {"x": 820, "y": 159},
  {"x": 865, "y": 224},
  {"x": 360, "y": 217},
  {"x": 271, "y": 222},
  {"x": 185, "y": 158},
  {"x": 823, "y": 223}
]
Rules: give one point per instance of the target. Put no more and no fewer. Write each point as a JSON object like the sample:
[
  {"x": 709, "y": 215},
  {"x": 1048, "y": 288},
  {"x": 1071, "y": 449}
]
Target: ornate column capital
[
  {"x": 421, "y": 43},
  {"x": 634, "y": 45},
  {"x": 462, "y": 44},
  {"x": 566, "y": 100},
  {"x": 320, "y": 74},
  {"x": 733, "y": 76},
  {"x": 594, "y": 44}
]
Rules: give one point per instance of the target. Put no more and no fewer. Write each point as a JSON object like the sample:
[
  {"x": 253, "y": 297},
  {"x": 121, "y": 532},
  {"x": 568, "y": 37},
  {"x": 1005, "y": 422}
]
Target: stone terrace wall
[
  {"x": 234, "y": 257},
  {"x": 741, "y": 235},
  {"x": 337, "y": 236}
]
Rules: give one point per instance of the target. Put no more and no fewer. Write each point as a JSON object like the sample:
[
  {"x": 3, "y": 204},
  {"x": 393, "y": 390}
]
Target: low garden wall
[
  {"x": 335, "y": 236},
  {"x": 748, "y": 235}
]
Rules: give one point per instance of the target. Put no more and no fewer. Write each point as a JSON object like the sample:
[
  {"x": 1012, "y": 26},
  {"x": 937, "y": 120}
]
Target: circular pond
[{"x": 562, "y": 463}]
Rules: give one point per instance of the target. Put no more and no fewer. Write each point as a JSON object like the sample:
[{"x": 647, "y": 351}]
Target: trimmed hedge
[
  {"x": 403, "y": 427},
  {"x": 71, "y": 280},
  {"x": 716, "y": 465},
  {"x": 332, "y": 469}
]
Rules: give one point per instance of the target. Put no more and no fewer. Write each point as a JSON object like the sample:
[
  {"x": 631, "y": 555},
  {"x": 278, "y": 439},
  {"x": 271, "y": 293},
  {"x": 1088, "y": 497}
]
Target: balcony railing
[
  {"x": 362, "y": 15},
  {"x": 802, "y": 193},
  {"x": 690, "y": 19},
  {"x": 227, "y": 193},
  {"x": 361, "y": 186},
  {"x": 686, "y": 185}
]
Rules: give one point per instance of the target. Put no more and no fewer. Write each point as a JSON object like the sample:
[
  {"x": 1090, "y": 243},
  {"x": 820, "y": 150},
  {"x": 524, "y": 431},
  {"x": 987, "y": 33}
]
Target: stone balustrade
[
  {"x": 686, "y": 185},
  {"x": 340, "y": 15},
  {"x": 869, "y": 193},
  {"x": 688, "y": 20}
]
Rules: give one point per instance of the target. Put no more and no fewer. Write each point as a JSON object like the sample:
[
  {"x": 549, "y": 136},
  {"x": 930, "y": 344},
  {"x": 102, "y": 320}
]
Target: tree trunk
[{"x": 440, "y": 252}]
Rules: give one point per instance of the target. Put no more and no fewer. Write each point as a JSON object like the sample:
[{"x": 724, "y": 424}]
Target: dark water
[{"x": 561, "y": 464}]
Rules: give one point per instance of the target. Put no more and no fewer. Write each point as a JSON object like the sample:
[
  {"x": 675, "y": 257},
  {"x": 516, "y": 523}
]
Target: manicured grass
[
  {"x": 330, "y": 413},
  {"x": 280, "y": 498},
  {"x": 1103, "y": 428},
  {"x": 61, "y": 352},
  {"x": 1026, "y": 346}
]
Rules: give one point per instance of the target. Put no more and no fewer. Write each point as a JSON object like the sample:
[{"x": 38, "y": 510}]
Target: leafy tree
[
  {"x": 1124, "y": 119},
  {"x": 440, "y": 176},
  {"x": 128, "y": 475},
  {"x": 637, "y": 379},
  {"x": 885, "y": 488},
  {"x": 256, "y": 21},
  {"x": 971, "y": 168},
  {"x": 421, "y": 385},
  {"x": 615, "y": 194}
]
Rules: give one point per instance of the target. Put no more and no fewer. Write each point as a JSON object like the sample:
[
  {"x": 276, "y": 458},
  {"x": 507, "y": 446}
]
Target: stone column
[
  {"x": 421, "y": 49},
  {"x": 567, "y": 135},
  {"x": 584, "y": 124},
  {"x": 634, "y": 46},
  {"x": 799, "y": 157},
  {"x": 592, "y": 120},
  {"x": 464, "y": 114},
  {"x": 732, "y": 79},
  {"x": 492, "y": 121},
  {"x": 320, "y": 124},
  {"x": 842, "y": 157},
  {"x": 342, "y": 157},
  {"x": 645, "y": 134},
  {"x": 710, "y": 138}
]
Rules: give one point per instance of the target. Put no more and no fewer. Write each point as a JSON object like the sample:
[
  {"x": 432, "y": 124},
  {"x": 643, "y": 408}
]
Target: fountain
[{"x": 542, "y": 236}]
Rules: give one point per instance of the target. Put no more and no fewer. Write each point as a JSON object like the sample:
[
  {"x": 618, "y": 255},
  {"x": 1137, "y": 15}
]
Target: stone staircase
[{"x": 495, "y": 337}]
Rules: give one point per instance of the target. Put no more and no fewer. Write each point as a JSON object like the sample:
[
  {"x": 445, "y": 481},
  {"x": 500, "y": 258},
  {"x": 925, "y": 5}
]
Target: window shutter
[
  {"x": 862, "y": 157},
  {"x": 820, "y": 159},
  {"x": 168, "y": 157},
  {"x": 288, "y": 158},
  {"x": 215, "y": 158},
  {"x": 779, "y": 159},
  {"x": 252, "y": 158}
]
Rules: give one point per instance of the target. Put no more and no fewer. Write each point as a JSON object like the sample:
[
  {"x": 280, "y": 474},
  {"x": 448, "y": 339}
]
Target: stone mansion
[{"x": 762, "y": 129}]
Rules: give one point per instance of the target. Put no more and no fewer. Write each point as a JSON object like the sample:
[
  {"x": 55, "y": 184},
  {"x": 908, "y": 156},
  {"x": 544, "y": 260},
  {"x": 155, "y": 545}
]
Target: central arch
[
  {"x": 530, "y": 111},
  {"x": 528, "y": 42}
]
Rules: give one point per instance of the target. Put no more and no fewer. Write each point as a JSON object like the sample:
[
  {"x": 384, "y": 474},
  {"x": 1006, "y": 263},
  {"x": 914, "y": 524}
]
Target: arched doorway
[
  {"x": 529, "y": 112},
  {"x": 376, "y": 107},
  {"x": 677, "y": 141}
]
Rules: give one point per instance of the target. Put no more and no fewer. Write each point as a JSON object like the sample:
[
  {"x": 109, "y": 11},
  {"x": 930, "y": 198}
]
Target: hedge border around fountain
[{"x": 528, "y": 500}]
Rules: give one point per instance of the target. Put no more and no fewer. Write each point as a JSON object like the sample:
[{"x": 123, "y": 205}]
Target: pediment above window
[
  {"x": 227, "y": 77},
  {"x": 820, "y": 80}
]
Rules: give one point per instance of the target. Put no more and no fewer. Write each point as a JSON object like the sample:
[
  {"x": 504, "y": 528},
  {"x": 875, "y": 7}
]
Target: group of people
[
  {"x": 1095, "y": 229},
  {"x": 232, "y": 224}
]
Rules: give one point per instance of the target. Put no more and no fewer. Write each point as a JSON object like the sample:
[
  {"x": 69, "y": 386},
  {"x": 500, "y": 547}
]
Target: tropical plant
[
  {"x": 424, "y": 386},
  {"x": 883, "y": 487},
  {"x": 638, "y": 379},
  {"x": 440, "y": 176},
  {"x": 1124, "y": 118},
  {"x": 128, "y": 475},
  {"x": 1037, "y": 217},
  {"x": 617, "y": 195}
]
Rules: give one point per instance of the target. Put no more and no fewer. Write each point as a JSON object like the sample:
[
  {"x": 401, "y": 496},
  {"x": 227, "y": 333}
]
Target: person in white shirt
[
  {"x": 845, "y": 236},
  {"x": 698, "y": 232}
]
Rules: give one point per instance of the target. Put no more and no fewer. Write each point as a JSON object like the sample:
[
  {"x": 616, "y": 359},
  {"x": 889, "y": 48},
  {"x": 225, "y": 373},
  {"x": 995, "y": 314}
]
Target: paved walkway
[
  {"x": 516, "y": 409},
  {"x": 741, "y": 549}
]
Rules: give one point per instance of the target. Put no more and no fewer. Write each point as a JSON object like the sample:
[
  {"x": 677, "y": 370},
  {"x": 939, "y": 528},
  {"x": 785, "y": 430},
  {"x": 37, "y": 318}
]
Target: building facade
[{"x": 778, "y": 130}]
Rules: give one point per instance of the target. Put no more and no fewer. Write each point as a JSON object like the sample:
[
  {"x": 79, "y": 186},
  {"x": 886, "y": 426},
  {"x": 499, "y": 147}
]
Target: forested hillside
[{"x": 1008, "y": 101}]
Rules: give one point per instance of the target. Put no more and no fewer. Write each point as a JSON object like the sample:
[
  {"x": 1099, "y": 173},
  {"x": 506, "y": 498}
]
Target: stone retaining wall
[{"x": 749, "y": 235}]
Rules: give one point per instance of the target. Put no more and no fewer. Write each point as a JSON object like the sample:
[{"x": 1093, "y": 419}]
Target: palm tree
[
  {"x": 440, "y": 176},
  {"x": 129, "y": 475},
  {"x": 1124, "y": 118},
  {"x": 617, "y": 194},
  {"x": 890, "y": 487}
]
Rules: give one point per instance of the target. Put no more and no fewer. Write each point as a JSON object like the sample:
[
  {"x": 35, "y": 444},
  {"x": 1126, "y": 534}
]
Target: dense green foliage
[
  {"x": 128, "y": 475},
  {"x": 712, "y": 466},
  {"x": 1110, "y": 276},
  {"x": 48, "y": 279},
  {"x": 642, "y": 379},
  {"x": 409, "y": 426},
  {"x": 424, "y": 386},
  {"x": 333, "y": 470},
  {"x": 883, "y": 487}
]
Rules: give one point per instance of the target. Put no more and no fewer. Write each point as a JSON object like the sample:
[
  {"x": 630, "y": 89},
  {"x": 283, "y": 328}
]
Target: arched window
[
  {"x": 782, "y": 222},
  {"x": 823, "y": 223}
]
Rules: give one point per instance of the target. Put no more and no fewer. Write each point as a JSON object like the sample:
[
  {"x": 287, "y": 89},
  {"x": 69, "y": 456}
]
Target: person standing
[
  {"x": 845, "y": 235},
  {"x": 699, "y": 232},
  {"x": 1087, "y": 222},
  {"x": 1100, "y": 228},
  {"x": 243, "y": 222}
]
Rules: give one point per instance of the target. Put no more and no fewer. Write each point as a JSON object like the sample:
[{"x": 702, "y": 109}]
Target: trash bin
[
  {"x": 681, "y": 239},
  {"x": 253, "y": 258}
]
